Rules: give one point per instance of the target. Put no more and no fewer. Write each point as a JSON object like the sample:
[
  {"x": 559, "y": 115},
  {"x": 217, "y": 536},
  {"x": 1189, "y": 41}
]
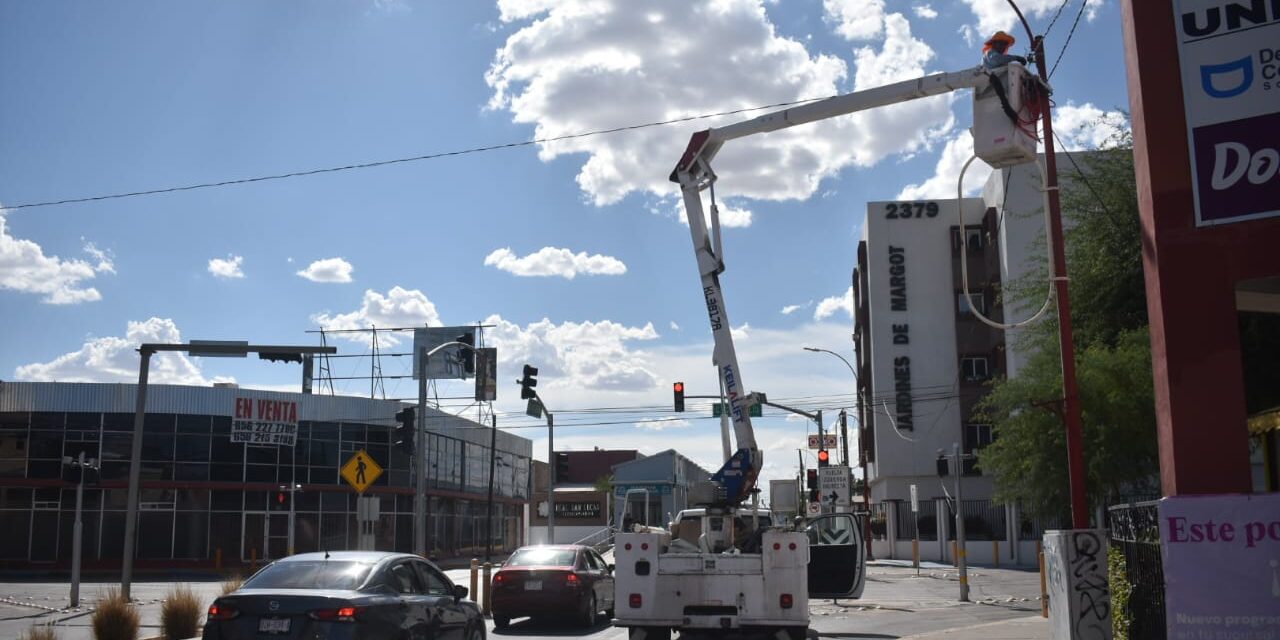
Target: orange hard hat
[{"x": 1000, "y": 36}]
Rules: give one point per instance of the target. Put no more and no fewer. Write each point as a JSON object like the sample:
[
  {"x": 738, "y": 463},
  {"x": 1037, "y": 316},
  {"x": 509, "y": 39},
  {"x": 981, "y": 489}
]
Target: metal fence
[
  {"x": 879, "y": 519},
  {"x": 1135, "y": 531}
]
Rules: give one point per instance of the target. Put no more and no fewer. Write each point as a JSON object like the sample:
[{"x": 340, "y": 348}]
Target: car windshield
[
  {"x": 542, "y": 558},
  {"x": 318, "y": 574}
]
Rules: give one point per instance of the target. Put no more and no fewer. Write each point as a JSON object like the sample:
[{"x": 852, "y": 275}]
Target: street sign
[
  {"x": 486, "y": 374},
  {"x": 815, "y": 508},
  {"x": 915, "y": 500},
  {"x": 533, "y": 409},
  {"x": 833, "y": 486},
  {"x": 360, "y": 471},
  {"x": 828, "y": 441},
  {"x": 755, "y": 411},
  {"x": 196, "y": 351}
]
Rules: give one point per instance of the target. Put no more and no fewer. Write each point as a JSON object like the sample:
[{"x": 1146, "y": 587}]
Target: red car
[{"x": 545, "y": 581}]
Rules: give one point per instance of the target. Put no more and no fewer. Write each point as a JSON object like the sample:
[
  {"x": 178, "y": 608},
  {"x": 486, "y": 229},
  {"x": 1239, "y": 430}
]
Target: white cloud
[
  {"x": 924, "y": 11},
  {"x": 328, "y": 270},
  {"x": 661, "y": 424},
  {"x": 115, "y": 359},
  {"x": 550, "y": 261},
  {"x": 1087, "y": 127},
  {"x": 947, "y": 172},
  {"x": 994, "y": 15},
  {"x": 26, "y": 269},
  {"x": 741, "y": 333},
  {"x": 576, "y": 66},
  {"x": 829, "y": 306},
  {"x": 577, "y": 355},
  {"x": 228, "y": 268},
  {"x": 674, "y": 326},
  {"x": 398, "y": 308},
  {"x": 855, "y": 19},
  {"x": 792, "y": 308}
]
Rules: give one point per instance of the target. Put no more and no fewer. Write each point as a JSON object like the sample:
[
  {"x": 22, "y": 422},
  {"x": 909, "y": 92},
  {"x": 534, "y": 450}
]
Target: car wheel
[
  {"x": 501, "y": 622},
  {"x": 476, "y": 632},
  {"x": 589, "y": 617}
]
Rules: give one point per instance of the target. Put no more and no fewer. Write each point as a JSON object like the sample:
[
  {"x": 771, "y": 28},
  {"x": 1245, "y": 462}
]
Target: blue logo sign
[{"x": 1209, "y": 71}]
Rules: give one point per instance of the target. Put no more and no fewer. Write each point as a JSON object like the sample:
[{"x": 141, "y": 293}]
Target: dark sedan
[
  {"x": 553, "y": 581},
  {"x": 347, "y": 595}
]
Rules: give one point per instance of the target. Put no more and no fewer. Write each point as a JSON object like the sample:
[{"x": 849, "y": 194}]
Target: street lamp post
[
  {"x": 212, "y": 348},
  {"x": 866, "y": 484},
  {"x": 80, "y": 463}
]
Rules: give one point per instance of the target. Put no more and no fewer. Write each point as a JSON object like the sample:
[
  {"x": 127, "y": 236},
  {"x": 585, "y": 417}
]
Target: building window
[
  {"x": 974, "y": 368},
  {"x": 973, "y": 237},
  {"x": 977, "y": 300},
  {"x": 976, "y": 437}
]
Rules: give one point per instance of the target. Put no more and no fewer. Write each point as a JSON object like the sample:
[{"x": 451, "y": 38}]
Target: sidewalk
[{"x": 1028, "y": 628}]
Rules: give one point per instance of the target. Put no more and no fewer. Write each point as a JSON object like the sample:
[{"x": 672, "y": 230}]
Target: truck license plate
[
  {"x": 533, "y": 585},
  {"x": 273, "y": 625}
]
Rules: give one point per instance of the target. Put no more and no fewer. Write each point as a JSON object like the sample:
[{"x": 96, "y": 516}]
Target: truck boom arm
[{"x": 735, "y": 480}]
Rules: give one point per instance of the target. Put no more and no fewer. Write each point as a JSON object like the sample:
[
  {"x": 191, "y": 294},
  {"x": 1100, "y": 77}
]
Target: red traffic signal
[
  {"x": 824, "y": 457},
  {"x": 678, "y": 391}
]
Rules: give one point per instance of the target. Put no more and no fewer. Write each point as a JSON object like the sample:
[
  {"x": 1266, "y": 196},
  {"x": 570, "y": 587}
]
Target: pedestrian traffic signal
[
  {"x": 811, "y": 479},
  {"x": 678, "y": 390},
  {"x": 824, "y": 458},
  {"x": 405, "y": 430},
  {"x": 467, "y": 353},
  {"x": 282, "y": 501},
  {"x": 528, "y": 382},
  {"x": 562, "y": 467}
]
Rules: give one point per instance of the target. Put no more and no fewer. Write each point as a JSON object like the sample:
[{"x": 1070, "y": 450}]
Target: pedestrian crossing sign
[{"x": 360, "y": 471}]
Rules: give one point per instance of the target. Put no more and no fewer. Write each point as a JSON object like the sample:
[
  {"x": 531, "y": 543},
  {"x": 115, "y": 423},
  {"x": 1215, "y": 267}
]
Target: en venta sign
[{"x": 265, "y": 422}]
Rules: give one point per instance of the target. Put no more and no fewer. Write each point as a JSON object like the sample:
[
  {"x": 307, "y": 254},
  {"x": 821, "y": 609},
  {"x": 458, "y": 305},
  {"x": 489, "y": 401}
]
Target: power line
[
  {"x": 1083, "y": 4},
  {"x": 383, "y": 163},
  {"x": 1055, "y": 17}
]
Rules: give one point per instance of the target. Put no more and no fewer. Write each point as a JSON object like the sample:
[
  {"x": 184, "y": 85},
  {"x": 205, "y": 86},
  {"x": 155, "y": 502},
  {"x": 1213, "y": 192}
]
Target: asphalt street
[{"x": 897, "y": 603}]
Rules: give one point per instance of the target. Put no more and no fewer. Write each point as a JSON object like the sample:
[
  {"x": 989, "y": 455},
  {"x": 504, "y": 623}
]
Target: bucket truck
[{"x": 719, "y": 570}]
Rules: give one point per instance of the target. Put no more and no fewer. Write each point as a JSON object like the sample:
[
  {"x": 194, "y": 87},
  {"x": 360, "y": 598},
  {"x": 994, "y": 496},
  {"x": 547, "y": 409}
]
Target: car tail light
[
  {"x": 222, "y": 612},
  {"x": 635, "y": 601},
  {"x": 341, "y": 614},
  {"x": 572, "y": 580},
  {"x": 785, "y": 601},
  {"x": 499, "y": 579}
]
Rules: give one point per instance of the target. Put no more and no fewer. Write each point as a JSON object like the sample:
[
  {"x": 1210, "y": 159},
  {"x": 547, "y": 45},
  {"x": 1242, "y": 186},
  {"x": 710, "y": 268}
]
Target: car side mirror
[
  {"x": 610, "y": 566},
  {"x": 459, "y": 591}
]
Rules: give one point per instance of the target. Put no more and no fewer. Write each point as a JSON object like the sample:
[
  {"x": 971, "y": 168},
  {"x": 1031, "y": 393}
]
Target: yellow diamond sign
[{"x": 360, "y": 471}]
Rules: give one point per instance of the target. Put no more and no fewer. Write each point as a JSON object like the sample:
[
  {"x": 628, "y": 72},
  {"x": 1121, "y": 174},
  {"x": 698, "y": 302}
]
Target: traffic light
[
  {"x": 678, "y": 390},
  {"x": 467, "y": 353},
  {"x": 942, "y": 466},
  {"x": 528, "y": 382},
  {"x": 813, "y": 495},
  {"x": 281, "y": 502},
  {"x": 277, "y": 356},
  {"x": 811, "y": 479},
  {"x": 824, "y": 458},
  {"x": 405, "y": 430},
  {"x": 562, "y": 468}
]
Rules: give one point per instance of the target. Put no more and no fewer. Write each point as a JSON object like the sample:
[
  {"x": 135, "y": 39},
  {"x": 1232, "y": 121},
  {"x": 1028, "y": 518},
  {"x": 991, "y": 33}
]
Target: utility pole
[
  {"x": 960, "y": 553},
  {"x": 844, "y": 438},
  {"x": 488, "y": 517},
  {"x": 551, "y": 479},
  {"x": 420, "y": 457}
]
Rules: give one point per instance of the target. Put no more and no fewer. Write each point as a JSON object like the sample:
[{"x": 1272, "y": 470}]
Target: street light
[
  {"x": 204, "y": 348},
  {"x": 80, "y": 463},
  {"x": 866, "y": 484}
]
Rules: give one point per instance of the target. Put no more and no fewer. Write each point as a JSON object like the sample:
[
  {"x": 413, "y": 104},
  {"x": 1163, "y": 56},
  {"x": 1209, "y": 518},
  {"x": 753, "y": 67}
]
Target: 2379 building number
[{"x": 908, "y": 210}]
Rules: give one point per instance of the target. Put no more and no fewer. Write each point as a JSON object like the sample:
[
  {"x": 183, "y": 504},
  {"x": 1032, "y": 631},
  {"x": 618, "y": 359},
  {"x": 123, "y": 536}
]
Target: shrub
[
  {"x": 1121, "y": 589},
  {"x": 232, "y": 583},
  {"x": 115, "y": 618},
  {"x": 40, "y": 633},
  {"x": 180, "y": 614}
]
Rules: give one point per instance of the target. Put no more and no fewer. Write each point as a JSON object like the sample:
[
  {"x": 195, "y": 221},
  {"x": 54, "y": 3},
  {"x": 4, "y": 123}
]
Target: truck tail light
[
  {"x": 785, "y": 601},
  {"x": 635, "y": 601}
]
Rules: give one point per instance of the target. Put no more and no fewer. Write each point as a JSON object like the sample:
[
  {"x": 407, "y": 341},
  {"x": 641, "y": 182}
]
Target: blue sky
[{"x": 575, "y": 250}]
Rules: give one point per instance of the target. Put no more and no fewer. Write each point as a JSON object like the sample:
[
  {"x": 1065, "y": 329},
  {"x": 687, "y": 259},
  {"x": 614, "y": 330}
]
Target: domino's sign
[{"x": 1229, "y": 57}]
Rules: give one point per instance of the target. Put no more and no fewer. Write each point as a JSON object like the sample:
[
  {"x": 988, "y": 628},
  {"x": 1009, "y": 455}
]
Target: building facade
[
  {"x": 924, "y": 358},
  {"x": 207, "y": 500},
  {"x": 652, "y": 489}
]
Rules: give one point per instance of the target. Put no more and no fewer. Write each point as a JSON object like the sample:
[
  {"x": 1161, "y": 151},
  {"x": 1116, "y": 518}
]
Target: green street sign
[{"x": 755, "y": 411}]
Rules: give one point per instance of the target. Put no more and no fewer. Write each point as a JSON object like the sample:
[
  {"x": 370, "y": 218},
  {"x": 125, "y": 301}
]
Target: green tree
[{"x": 1113, "y": 354}]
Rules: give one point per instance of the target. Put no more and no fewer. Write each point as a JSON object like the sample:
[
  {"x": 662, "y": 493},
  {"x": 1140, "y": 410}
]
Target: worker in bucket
[{"x": 994, "y": 51}]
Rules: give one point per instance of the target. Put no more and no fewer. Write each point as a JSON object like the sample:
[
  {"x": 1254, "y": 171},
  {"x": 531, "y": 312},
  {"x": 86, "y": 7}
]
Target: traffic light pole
[{"x": 551, "y": 479}]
